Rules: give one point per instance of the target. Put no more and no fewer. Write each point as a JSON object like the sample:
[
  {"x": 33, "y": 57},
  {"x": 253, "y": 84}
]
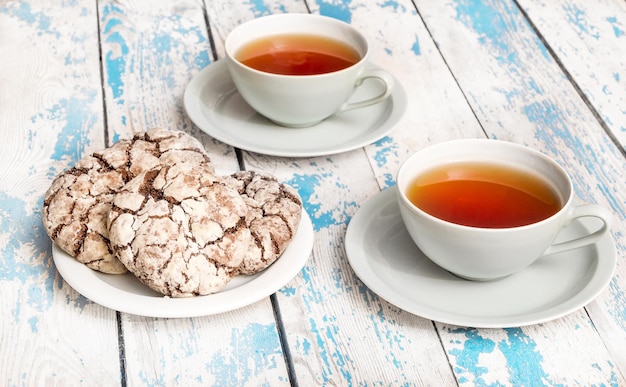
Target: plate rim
[
  {"x": 192, "y": 101},
  {"x": 90, "y": 283},
  {"x": 605, "y": 257}
]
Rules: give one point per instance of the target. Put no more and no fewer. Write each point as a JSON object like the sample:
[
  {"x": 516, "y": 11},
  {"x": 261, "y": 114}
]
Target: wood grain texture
[
  {"x": 76, "y": 76},
  {"x": 597, "y": 69},
  {"x": 452, "y": 117},
  {"x": 50, "y": 116},
  {"x": 150, "y": 51},
  {"x": 340, "y": 333},
  {"x": 523, "y": 96},
  {"x": 236, "y": 348}
]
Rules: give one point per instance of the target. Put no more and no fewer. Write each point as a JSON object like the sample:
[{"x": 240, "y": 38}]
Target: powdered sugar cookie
[
  {"x": 77, "y": 203},
  {"x": 273, "y": 217},
  {"x": 180, "y": 230}
]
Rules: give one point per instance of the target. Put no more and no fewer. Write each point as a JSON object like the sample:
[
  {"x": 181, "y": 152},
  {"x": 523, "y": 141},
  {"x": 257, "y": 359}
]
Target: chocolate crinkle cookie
[
  {"x": 153, "y": 205},
  {"x": 180, "y": 230},
  {"x": 274, "y": 211},
  {"x": 77, "y": 203}
]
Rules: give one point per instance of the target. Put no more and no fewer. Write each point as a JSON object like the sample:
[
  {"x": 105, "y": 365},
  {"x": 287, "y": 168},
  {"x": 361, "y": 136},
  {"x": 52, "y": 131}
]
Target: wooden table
[{"x": 76, "y": 76}]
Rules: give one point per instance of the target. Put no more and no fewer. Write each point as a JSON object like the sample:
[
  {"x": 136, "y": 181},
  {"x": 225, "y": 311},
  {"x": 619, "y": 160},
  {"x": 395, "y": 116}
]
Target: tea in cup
[
  {"x": 299, "y": 69},
  {"x": 485, "y": 209}
]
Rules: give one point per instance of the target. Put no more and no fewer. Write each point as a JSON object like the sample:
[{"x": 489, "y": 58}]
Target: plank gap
[
  {"x": 240, "y": 159},
  {"x": 443, "y": 348},
  {"x": 445, "y": 62},
  {"x": 207, "y": 22},
  {"x": 282, "y": 337},
  {"x": 105, "y": 121},
  {"x": 122, "y": 349}
]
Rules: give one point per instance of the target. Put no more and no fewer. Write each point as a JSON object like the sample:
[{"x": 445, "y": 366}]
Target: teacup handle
[
  {"x": 582, "y": 211},
  {"x": 382, "y": 75}
]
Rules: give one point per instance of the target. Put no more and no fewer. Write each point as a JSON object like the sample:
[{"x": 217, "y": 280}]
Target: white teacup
[
  {"x": 478, "y": 253},
  {"x": 302, "y": 100}
]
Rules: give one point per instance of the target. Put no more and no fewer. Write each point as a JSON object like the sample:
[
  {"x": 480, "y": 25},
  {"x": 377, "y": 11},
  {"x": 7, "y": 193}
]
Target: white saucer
[
  {"x": 126, "y": 294},
  {"x": 215, "y": 106},
  {"x": 385, "y": 258}
]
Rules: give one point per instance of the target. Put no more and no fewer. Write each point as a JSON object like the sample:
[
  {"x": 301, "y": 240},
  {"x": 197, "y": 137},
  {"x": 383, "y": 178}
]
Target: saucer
[
  {"x": 385, "y": 258},
  {"x": 125, "y": 293},
  {"x": 215, "y": 106}
]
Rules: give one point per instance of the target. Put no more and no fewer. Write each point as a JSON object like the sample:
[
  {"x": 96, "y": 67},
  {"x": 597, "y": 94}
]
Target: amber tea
[
  {"x": 297, "y": 54},
  {"x": 484, "y": 195}
]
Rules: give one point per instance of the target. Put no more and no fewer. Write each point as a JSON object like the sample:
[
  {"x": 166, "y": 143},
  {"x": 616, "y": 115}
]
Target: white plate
[
  {"x": 126, "y": 294},
  {"x": 383, "y": 255},
  {"x": 215, "y": 106}
]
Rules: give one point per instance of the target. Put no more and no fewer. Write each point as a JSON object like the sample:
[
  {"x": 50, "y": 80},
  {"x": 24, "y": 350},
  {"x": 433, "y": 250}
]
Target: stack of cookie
[{"x": 153, "y": 205}]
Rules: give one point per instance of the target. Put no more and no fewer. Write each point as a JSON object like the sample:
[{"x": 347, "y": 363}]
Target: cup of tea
[
  {"x": 299, "y": 69},
  {"x": 485, "y": 209}
]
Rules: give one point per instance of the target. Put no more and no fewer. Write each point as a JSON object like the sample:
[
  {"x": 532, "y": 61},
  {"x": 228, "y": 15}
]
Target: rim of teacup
[
  {"x": 231, "y": 51},
  {"x": 402, "y": 180}
]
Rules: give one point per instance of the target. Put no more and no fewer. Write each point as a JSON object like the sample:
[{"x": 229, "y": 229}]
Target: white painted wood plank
[
  {"x": 595, "y": 56},
  {"x": 589, "y": 39},
  {"x": 519, "y": 94},
  {"x": 150, "y": 51},
  {"x": 50, "y": 116},
  {"x": 239, "y": 348}
]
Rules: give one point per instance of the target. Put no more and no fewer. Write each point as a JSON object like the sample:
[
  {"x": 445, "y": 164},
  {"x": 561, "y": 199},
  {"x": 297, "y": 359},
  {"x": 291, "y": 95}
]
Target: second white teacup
[
  {"x": 296, "y": 100},
  {"x": 466, "y": 232}
]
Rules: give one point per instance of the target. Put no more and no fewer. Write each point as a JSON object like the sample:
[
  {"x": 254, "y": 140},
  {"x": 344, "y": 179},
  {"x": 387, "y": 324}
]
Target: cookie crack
[
  {"x": 80, "y": 240},
  {"x": 105, "y": 166},
  {"x": 285, "y": 194},
  {"x": 259, "y": 243},
  {"x": 147, "y": 188}
]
